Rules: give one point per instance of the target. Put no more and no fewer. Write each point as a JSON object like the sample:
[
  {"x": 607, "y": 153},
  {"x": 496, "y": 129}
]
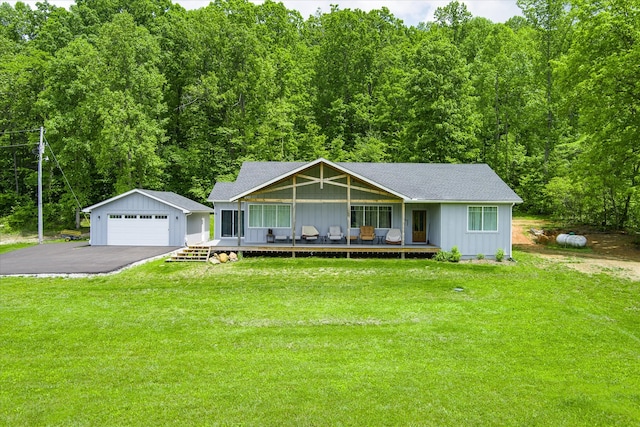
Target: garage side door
[{"x": 138, "y": 230}]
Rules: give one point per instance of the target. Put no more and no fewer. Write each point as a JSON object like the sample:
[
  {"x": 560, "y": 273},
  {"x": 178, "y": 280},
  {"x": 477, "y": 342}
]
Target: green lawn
[
  {"x": 317, "y": 342},
  {"x": 4, "y": 248}
]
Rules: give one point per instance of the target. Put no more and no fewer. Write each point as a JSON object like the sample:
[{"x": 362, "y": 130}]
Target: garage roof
[{"x": 167, "y": 197}]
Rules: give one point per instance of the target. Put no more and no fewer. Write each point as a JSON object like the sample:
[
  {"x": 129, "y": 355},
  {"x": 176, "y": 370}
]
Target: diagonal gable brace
[{"x": 264, "y": 187}]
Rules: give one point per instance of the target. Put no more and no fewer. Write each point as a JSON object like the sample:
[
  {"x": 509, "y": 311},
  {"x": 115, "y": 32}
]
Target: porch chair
[
  {"x": 309, "y": 232},
  {"x": 335, "y": 233},
  {"x": 394, "y": 236},
  {"x": 367, "y": 233}
]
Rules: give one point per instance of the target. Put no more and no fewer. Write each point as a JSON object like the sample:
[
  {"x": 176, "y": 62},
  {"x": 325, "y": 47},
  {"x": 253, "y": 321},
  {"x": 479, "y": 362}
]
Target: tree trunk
[{"x": 15, "y": 172}]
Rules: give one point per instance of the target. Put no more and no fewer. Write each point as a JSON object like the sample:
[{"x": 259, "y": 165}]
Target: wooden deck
[{"x": 328, "y": 249}]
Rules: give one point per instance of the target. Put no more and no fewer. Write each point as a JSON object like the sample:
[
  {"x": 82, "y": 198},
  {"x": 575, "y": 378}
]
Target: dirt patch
[
  {"x": 625, "y": 269},
  {"x": 611, "y": 253},
  {"x": 10, "y": 239}
]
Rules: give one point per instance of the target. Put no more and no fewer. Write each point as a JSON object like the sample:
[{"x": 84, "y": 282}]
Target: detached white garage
[{"x": 149, "y": 218}]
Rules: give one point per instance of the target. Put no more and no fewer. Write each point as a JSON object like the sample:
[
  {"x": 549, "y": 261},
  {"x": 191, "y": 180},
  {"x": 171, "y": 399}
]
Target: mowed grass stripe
[{"x": 322, "y": 342}]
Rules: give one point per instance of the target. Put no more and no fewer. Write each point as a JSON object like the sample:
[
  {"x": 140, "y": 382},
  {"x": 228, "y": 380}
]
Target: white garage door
[{"x": 138, "y": 230}]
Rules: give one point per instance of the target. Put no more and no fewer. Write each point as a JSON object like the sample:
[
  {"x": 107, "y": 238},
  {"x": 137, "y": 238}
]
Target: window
[
  {"x": 146, "y": 216},
  {"x": 384, "y": 216},
  {"x": 265, "y": 216},
  {"x": 482, "y": 218},
  {"x": 377, "y": 216},
  {"x": 357, "y": 216},
  {"x": 230, "y": 223},
  {"x": 161, "y": 217}
]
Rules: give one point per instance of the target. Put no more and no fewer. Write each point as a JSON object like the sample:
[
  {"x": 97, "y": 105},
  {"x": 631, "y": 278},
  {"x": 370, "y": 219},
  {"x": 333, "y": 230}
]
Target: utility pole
[{"x": 40, "y": 153}]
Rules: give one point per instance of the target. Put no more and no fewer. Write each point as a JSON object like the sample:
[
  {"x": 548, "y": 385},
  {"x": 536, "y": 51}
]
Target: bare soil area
[
  {"x": 606, "y": 252},
  {"x": 9, "y": 238}
]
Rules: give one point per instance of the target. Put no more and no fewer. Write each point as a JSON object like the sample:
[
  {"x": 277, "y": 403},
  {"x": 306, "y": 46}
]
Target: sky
[{"x": 411, "y": 12}]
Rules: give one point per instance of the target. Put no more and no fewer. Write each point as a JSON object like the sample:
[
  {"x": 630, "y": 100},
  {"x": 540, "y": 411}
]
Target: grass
[
  {"x": 4, "y": 248},
  {"x": 313, "y": 342},
  {"x": 8, "y": 247},
  {"x": 568, "y": 249}
]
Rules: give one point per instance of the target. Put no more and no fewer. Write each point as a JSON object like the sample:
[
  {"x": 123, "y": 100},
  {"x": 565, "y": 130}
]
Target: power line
[
  {"x": 63, "y": 174},
  {"x": 8, "y": 132},
  {"x": 15, "y": 145},
  {"x": 52, "y": 153}
]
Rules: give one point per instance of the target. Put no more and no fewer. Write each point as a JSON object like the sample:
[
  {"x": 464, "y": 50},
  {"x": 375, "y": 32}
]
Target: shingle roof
[
  {"x": 439, "y": 182},
  {"x": 414, "y": 181},
  {"x": 178, "y": 200},
  {"x": 251, "y": 175},
  {"x": 168, "y": 197}
]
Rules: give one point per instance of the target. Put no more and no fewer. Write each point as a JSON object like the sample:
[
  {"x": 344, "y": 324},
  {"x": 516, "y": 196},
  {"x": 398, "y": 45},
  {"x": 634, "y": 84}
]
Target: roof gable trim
[
  {"x": 310, "y": 165},
  {"x": 128, "y": 193}
]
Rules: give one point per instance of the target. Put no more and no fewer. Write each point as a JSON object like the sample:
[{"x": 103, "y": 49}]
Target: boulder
[
  {"x": 542, "y": 239},
  {"x": 223, "y": 257},
  {"x": 233, "y": 257},
  {"x": 536, "y": 232}
]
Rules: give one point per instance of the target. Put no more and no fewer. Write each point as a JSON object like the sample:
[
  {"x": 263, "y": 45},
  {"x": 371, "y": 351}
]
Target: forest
[{"x": 146, "y": 94}]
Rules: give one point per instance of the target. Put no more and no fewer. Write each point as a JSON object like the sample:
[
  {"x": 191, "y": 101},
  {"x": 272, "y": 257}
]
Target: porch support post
[
  {"x": 240, "y": 224},
  {"x": 404, "y": 216},
  {"x": 348, "y": 210},
  {"x": 348, "y": 214},
  {"x": 293, "y": 216}
]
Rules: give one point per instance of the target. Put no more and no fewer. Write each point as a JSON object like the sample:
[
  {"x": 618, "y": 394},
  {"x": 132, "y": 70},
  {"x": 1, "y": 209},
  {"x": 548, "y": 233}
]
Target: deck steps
[{"x": 192, "y": 254}]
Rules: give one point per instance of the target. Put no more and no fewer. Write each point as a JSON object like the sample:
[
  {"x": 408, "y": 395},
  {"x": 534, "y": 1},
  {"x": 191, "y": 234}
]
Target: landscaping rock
[
  {"x": 536, "y": 232},
  {"x": 233, "y": 257},
  {"x": 542, "y": 239},
  {"x": 223, "y": 258}
]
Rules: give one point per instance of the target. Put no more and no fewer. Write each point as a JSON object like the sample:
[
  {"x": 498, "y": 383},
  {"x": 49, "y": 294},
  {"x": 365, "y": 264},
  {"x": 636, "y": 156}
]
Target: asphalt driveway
[{"x": 75, "y": 258}]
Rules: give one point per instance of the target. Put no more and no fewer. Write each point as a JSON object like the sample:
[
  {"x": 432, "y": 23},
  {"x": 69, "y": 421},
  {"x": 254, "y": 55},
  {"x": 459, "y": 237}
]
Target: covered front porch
[
  {"x": 322, "y": 247},
  {"x": 323, "y": 197}
]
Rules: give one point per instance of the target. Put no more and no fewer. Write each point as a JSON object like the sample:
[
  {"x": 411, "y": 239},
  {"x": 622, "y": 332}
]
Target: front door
[{"x": 419, "y": 234}]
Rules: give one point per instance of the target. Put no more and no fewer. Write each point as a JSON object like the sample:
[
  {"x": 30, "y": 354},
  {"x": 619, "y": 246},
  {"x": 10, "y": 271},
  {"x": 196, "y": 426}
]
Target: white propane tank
[{"x": 573, "y": 240}]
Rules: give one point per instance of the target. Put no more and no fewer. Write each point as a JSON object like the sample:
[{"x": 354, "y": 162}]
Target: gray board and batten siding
[
  {"x": 149, "y": 218},
  {"x": 441, "y": 195}
]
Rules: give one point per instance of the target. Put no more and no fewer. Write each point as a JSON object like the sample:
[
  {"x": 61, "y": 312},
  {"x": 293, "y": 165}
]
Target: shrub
[
  {"x": 500, "y": 255},
  {"x": 442, "y": 256},
  {"x": 445, "y": 256},
  {"x": 480, "y": 256},
  {"x": 455, "y": 254}
]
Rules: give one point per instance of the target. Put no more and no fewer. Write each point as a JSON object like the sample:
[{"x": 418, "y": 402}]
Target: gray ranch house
[
  {"x": 438, "y": 205},
  {"x": 149, "y": 218}
]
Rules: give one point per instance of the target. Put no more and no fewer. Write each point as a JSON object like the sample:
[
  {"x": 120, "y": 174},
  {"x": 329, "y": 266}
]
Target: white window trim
[
  {"x": 378, "y": 208},
  {"x": 268, "y": 204},
  {"x": 240, "y": 225},
  {"x": 483, "y": 207}
]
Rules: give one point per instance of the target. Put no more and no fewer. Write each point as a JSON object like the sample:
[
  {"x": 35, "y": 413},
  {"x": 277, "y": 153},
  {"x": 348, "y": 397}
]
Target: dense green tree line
[{"x": 143, "y": 93}]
